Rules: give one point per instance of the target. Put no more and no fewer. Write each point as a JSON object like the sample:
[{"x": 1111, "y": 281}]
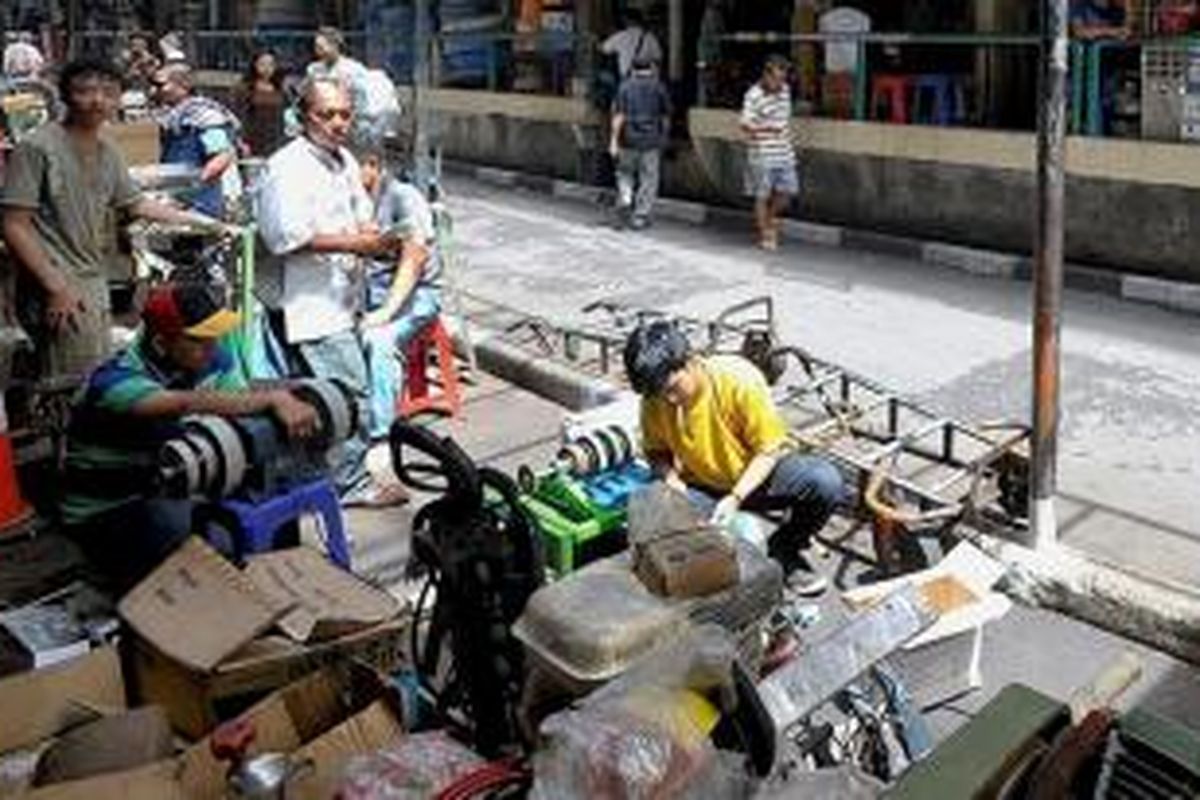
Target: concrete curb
[{"x": 1172, "y": 295}]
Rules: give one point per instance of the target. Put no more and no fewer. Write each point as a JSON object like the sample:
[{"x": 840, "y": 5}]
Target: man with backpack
[
  {"x": 631, "y": 43},
  {"x": 641, "y": 120}
]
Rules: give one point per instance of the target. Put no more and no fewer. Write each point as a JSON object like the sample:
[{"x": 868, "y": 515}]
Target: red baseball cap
[{"x": 191, "y": 309}]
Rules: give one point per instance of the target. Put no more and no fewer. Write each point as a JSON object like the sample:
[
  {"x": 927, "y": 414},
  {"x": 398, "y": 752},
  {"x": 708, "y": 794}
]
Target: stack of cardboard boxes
[{"x": 205, "y": 641}]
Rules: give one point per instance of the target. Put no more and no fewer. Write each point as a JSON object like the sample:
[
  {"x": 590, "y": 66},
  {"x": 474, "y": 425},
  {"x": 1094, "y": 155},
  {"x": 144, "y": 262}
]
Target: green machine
[{"x": 579, "y": 504}]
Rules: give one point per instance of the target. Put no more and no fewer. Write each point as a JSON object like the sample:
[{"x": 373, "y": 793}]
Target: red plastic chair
[
  {"x": 418, "y": 394},
  {"x": 892, "y": 90}
]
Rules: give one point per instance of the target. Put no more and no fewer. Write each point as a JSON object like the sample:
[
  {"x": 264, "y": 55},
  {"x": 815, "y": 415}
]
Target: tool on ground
[
  {"x": 579, "y": 504},
  {"x": 265, "y": 776},
  {"x": 254, "y": 480},
  {"x": 481, "y": 559}
]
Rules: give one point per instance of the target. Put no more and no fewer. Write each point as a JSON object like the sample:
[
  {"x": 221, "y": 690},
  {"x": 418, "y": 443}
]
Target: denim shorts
[{"x": 762, "y": 181}]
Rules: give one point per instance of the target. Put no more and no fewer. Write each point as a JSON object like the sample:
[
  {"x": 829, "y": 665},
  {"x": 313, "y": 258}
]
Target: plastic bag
[
  {"x": 418, "y": 767},
  {"x": 646, "y": 735},
  {"x": 657, "y": 511}
]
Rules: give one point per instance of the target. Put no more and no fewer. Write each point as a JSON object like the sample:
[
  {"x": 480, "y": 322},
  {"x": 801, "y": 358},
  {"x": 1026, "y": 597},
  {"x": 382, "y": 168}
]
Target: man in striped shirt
[
  {"x": 771, "y": 159},
  {"x": 180, "y": 364}
]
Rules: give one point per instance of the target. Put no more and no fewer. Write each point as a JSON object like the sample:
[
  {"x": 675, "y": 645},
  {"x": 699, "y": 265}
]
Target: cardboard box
[
  {"x": 329, "y": 716},
  {"x": 198, "y": 608},
  {"x": 38, "y": 705},
  {"x": 222, "y": 661},
  {"x": 155, "y": 781},
  {"x": 197, "y": 700},
  {"x": 369, "y": 730},
  {"x": 325, "y": 600},
  {"x": 300, "y": 716},
  {"x": 687, "y": 564}
]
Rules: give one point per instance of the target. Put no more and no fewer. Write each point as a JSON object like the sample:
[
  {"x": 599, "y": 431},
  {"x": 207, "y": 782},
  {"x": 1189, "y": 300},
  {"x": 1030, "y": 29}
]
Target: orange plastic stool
[
  {"x": 417, "y": 395},
  {"x": 892, "y": 91},
  {"x": 14, "y": 511}
]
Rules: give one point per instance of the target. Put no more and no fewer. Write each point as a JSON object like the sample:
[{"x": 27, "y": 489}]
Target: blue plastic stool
[
  {"x": 255, "y": 526},
  {"x": 945, "y": 90}
]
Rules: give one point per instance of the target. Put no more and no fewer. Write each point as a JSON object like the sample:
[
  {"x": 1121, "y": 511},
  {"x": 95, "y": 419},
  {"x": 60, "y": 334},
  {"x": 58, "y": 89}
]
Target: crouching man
[
  {"x": 131, "y": 405},
  {"x": 710, "y": 429}
]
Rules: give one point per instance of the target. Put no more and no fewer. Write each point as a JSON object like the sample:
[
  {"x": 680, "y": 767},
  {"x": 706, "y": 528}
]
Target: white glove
[{"x": 725, "y": 511}]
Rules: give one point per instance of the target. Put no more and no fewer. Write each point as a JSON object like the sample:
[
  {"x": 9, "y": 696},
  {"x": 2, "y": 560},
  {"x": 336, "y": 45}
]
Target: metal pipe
[
  {"x": 1048, "y": 270},
  {"x": 422, "y": 78}
]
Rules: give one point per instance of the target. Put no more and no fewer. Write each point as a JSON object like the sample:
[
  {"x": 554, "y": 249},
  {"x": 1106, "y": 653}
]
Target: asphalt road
[{"x": 1130, "y": 442}]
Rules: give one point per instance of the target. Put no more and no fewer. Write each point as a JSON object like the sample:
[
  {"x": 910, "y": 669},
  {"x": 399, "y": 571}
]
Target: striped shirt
[
  {"x": 110, "y": 451},
  {"x": 772, "y": 148}
]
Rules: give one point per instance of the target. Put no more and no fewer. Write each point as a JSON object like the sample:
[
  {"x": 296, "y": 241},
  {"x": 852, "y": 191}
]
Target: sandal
[{"x": 382, "y": 495}]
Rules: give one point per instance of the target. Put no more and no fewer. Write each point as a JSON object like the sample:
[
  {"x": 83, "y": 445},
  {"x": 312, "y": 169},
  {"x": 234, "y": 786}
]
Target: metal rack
[{"x": 914, "y": 469}]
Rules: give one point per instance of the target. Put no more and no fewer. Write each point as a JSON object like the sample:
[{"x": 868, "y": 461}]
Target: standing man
[
  {"x": 198, "y": 132},
  {"x": 632, "y": 43},
  {"x": 771, "y": 158},
  {"x": 329, "y": 47},
  {"x": 641, "y": 120},
  {"x": 711, "y": 430},
  {"x": 62, "y": 185},
  {"x": 315, "y": 213}
]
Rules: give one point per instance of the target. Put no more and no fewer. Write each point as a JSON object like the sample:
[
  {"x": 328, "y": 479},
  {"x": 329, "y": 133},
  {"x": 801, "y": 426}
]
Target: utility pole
[
  {"x": 1048, "y": 271},
  {"x": 422, "y": 79}
]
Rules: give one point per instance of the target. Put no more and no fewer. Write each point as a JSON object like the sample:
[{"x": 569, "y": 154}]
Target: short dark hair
[
  {"x": 85, "y": 68},
  {"x": 333, "y": 36},
  {"x": 634, "y": 16},
  {"x": 653, "y": 353},
  {"x": 777, "y": 61}
]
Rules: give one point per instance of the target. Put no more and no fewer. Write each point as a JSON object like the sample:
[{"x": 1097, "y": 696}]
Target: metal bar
[
  {"x": 1048, "y": 270},
  {"x": 902, "y": 440}
]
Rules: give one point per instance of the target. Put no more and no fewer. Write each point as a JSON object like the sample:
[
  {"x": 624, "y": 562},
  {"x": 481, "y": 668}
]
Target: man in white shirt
[
  {"x": 632, "y": 43},
  {"x": 315, "y": 213}
]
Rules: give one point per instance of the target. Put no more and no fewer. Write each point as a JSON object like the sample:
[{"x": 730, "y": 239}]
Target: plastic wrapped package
[
  {"x": 658, "y": 510},
  {"x": 645, "y": 736},
  {"x": 418, "y": 767},
  {"x": 594, "y": 624}
]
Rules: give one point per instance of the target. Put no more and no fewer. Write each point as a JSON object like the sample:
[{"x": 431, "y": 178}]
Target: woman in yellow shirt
[{"x": 711, "y": 430}]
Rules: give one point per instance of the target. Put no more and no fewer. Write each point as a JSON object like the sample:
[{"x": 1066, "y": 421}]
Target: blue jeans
[
  {"x": 809, "y": 488},
  {"x": 128, "y": 542},
  {"x": 341, "y": 357},
  {"x": 385, "y": 347}
]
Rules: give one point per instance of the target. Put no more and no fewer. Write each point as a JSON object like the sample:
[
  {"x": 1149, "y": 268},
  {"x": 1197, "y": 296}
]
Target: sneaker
[
  {"x": 639, "y": 223},
  {"x": 805, "y": 583}
]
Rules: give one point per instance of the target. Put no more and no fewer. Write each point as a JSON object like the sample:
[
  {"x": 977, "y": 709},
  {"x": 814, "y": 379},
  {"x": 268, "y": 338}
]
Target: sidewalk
[{"x": 1129, "y": 443}]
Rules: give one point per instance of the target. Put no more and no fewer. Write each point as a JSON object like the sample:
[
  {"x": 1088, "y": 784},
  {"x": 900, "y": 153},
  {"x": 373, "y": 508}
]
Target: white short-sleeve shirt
[{"x": 309, "y": 191}]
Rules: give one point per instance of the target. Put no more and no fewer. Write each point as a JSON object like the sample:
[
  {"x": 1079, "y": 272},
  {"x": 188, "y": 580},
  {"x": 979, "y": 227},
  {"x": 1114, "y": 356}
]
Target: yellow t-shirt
[{"x": 732, "y": 420}]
